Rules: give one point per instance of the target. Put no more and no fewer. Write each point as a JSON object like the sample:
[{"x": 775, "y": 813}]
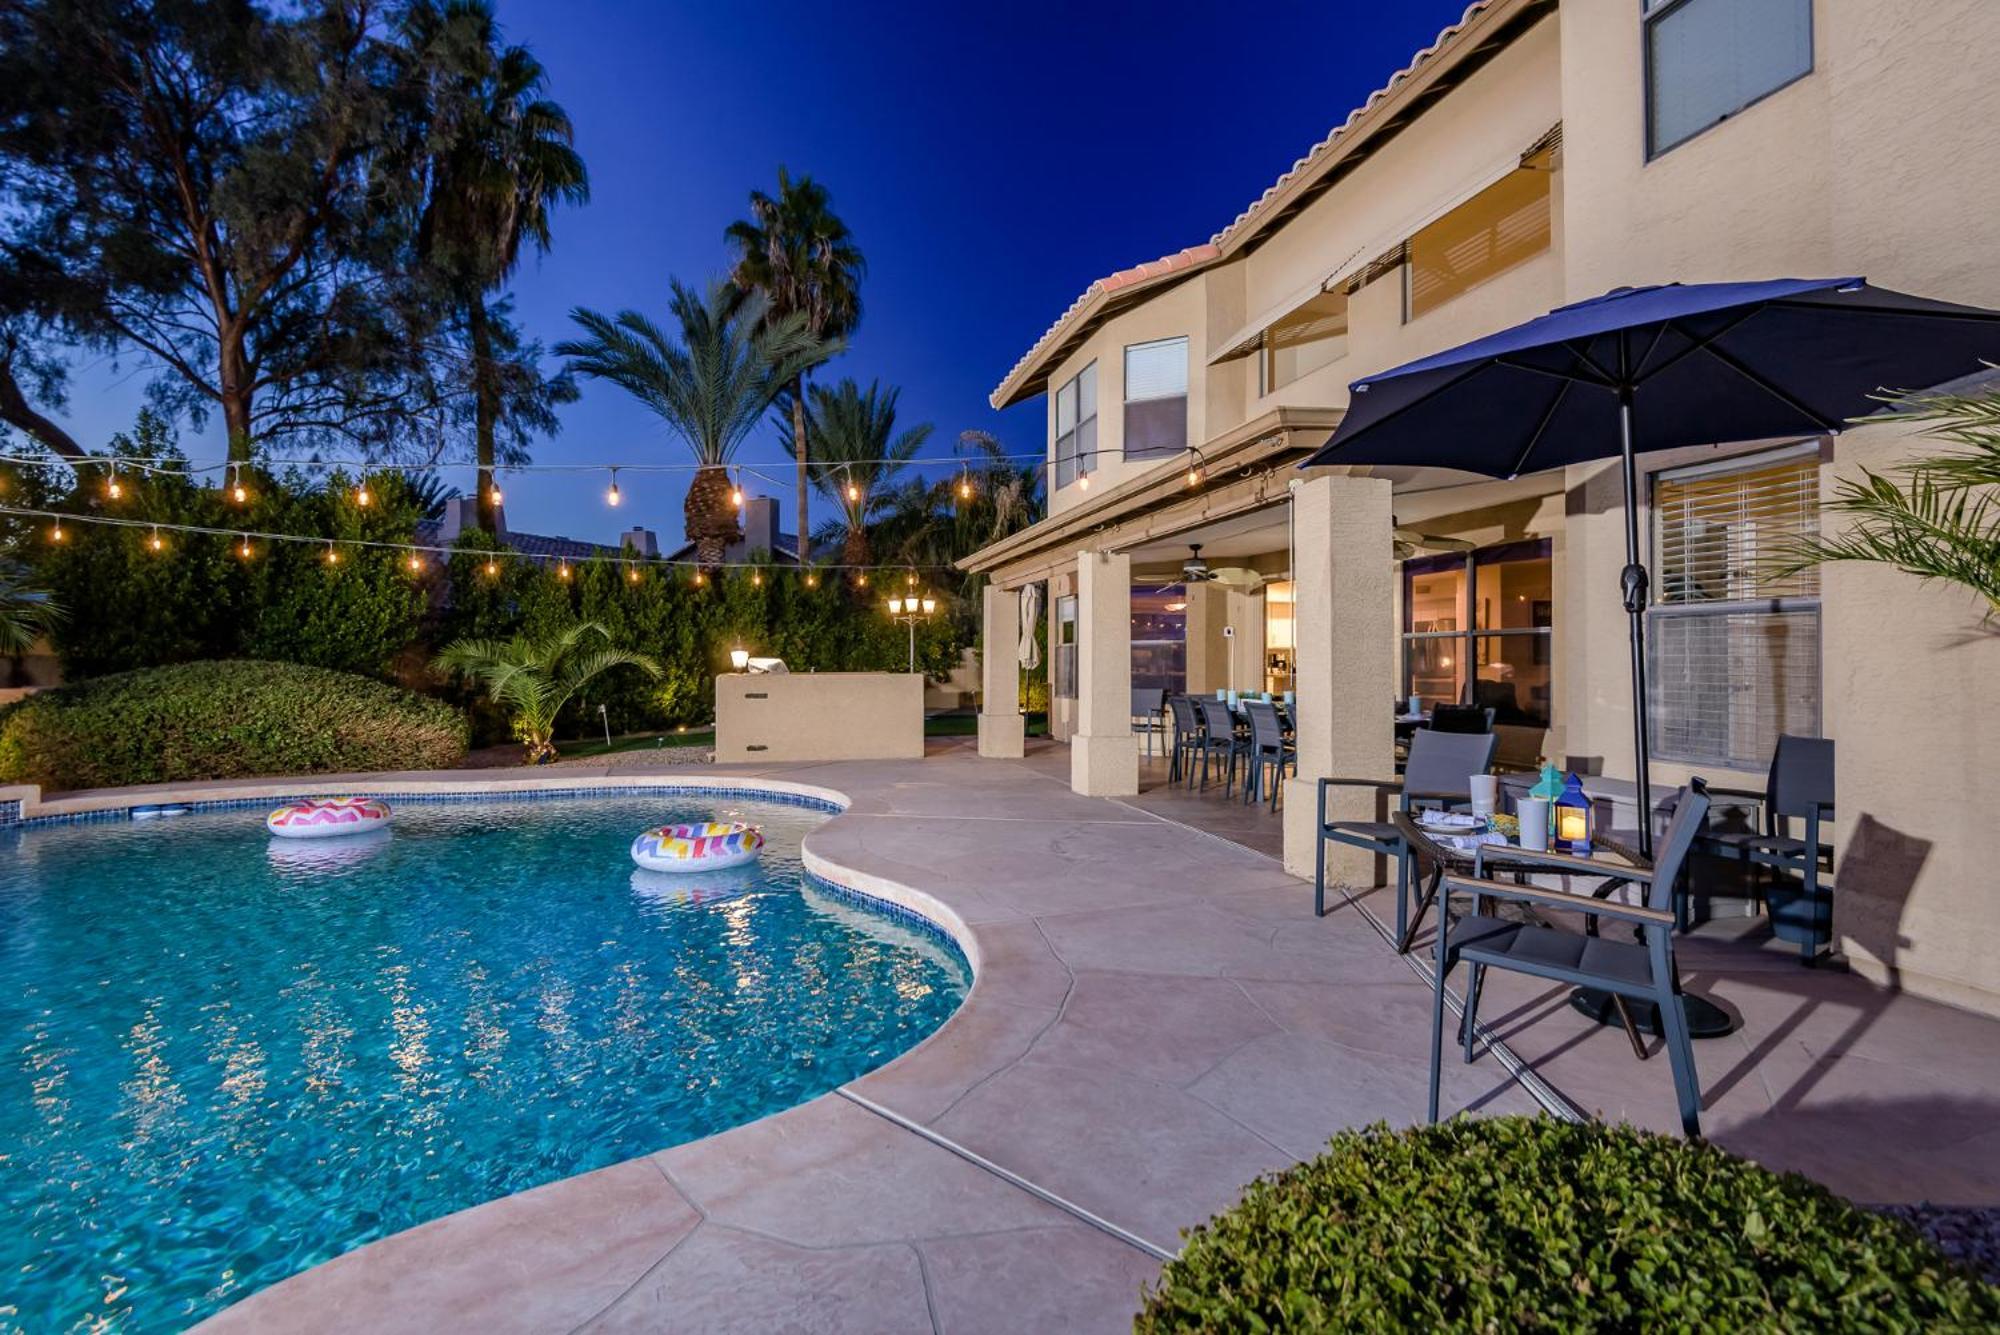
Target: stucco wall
[{"x": 819, "y": 716}]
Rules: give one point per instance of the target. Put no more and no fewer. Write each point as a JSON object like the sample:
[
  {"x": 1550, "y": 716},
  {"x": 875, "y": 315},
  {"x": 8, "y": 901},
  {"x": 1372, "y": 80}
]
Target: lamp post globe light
[{"x": 908, "y": 612}]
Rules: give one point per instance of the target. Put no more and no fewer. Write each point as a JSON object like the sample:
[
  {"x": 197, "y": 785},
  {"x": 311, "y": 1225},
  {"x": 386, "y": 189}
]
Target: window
[
  {"x": 1503, "y": 225},
  {"x": 1706, "y": 60},
  {"x": 1312, "y": 336},
  {"x": 1476, "y": 630},
  {"x": 1156, "y": 383},
  {"x": 1076, "y": 426},
  {"x": 1159, "y": 639},
  {"x": 1735, "y": 658},
  {"x": 1064, "y": 661}
]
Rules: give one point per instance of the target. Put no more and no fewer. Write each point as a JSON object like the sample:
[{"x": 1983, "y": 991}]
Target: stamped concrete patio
[{"x": 1156, "y": 1019}]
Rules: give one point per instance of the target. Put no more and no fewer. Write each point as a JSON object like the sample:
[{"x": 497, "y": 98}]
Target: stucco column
[
  {"x": 1246, "y": 640},
  {"x": 1002, "y": 730},
  {"x": 1104, "y": 755},
  {"x": 1207, "y": 649},
  {"x": 1344, "y": 564}
]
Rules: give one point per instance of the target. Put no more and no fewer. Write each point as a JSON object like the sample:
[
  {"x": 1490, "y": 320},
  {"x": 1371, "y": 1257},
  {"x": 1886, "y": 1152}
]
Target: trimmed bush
[
  {"x": 1530, "y": 1223},
  {"x": 222, "y": 720}
]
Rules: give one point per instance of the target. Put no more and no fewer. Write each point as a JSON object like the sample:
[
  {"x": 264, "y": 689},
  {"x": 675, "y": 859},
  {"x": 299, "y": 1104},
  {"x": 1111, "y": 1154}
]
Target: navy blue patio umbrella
[{"x": 1658, "y": 368}]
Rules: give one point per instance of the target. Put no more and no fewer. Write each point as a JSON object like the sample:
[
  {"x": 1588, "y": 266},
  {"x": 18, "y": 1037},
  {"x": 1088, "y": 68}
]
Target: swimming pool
[{"x": 225, "y": 1058}]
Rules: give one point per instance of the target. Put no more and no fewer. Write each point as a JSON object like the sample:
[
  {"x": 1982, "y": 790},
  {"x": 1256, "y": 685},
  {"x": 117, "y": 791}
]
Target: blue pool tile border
[
  {"x": 11, "y": 818},
  {"x": 902, "y": 914}
]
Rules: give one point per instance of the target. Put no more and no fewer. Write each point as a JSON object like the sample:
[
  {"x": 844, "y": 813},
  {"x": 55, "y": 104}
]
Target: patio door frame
[{"x": 1467, "y": 633}]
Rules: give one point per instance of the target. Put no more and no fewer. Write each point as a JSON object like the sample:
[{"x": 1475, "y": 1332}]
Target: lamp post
[{"x": 909, "y": 611}]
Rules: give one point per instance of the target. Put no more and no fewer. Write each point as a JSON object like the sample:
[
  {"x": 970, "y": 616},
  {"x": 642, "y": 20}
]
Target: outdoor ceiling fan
[
  {"x": 1194, "y": 570},
  {"x": 1410, "y": 542}
]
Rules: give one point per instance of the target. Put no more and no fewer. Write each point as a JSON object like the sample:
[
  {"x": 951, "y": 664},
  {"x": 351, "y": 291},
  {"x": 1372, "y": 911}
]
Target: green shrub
[
  {"x": 1531, "y": 1223},
  {"x": 221, "y": 720}
]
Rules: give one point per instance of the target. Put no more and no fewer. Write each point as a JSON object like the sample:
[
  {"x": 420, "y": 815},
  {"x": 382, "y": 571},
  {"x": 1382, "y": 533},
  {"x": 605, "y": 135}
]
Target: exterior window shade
[
  {"x": 1735, "y": 658},
  {"x": 1706, "y": 60},
  {"x": 1076, "y": 426},
  {"x": 1503, "y": 225},
  {"x": 1156, "y": 386},
  {"x": 1064, "y": 685},
  {"x": 1312, "y": 336}
]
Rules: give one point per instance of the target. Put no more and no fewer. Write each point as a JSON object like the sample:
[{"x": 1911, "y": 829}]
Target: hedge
[
  {"x": 1530, "y": 1223},
  {"x": 221, "y": 720}
]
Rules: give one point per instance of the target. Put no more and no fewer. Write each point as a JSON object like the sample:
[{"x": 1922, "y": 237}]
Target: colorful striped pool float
[
  {"x": 325, "y": 817},
  {"x": 707, "y": 847}
]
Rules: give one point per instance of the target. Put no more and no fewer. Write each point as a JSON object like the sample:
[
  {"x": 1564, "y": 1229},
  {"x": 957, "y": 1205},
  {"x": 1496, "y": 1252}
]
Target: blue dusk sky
[{"x": 991, "y": 160}]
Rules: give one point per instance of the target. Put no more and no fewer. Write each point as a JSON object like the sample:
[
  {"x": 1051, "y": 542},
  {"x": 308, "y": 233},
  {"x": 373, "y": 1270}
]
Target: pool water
[{"x": 225, "y": 1057}]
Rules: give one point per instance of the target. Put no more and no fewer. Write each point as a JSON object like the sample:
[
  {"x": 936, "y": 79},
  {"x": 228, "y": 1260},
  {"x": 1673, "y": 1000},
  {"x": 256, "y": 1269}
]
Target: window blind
[
  {"x": 1735, "y": 655},
  {"x": 1156, "y": 370},
  {"x": 1706, "y": 60},
  {"x": 1156, "y": 378}
]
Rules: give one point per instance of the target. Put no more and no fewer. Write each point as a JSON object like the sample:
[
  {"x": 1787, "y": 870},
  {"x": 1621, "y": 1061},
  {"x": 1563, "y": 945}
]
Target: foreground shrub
[
  {"x": 1530, "y": 1223},
  {"x": 222, "y": 720}
]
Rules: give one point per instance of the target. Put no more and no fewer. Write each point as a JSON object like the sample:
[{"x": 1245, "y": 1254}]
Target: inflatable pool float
[
  {"x": 325, "y": 817},
  {"x": 706, "y": 847}
]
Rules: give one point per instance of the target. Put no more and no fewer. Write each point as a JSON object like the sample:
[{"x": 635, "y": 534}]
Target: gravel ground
[{"x": 1966, "y": 1233}]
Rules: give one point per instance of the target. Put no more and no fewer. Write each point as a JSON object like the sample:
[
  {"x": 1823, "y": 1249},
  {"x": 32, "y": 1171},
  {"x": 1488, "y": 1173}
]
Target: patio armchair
[
  {"x": 1799, "y": 787},
  {"x": 1149, "y": 713},
  {"x": 1437, "y": 774},
  {"x": 1186, "y": 739},
  {"x": 1219, "y": 741},
  {"x": 1269, "y": 750},
  {"x": 1642, "y": 970}
]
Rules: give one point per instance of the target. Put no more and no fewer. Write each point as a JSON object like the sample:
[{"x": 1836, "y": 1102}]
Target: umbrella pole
[{"x": 1633, "y": 582}]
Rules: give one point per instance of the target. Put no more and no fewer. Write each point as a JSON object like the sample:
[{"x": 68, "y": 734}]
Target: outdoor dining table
[{"x": 1486, "y": 854}]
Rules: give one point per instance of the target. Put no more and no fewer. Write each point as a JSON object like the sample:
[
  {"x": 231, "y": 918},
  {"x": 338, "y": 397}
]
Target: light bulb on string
[
  {"x": 700, "y": 579},
  {"x": 416, "y": 562},
  {"x": 736, "y": 492},
  {"x": 862, "y": 579},
  {"x": 113, "y": 488},
  {"x": 632, "y": 574},
  {"x": 612, "y": 496},
  {"x": 756, "y": 579},
  {"x": 56, "y": 533},
  {"x": 492, "y": 567},
  {"x": 812, "y": 581},
  {"x": 1083, "y": 482},
  {"x": 237, "y": 491},
  {"x": 156, "y": 542},
  {"x": 361, "y": 496},
  {"x": 493, "y": 493},
  {"x": 562, "y": 570},
  {"x": 965, "y": 486},
  {"x": 244, "y": 550},
  {"x": 853, "y": 492},
  {"x": 332, "y": 555}
]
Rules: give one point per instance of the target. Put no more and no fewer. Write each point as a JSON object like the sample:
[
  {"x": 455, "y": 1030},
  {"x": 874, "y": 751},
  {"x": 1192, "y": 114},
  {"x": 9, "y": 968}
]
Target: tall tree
[
  {"x": 498, "y": 159},
  {"x": 210, "y": 178},
  {"x": 797, "y": 252},
  {"x": 860, "y": 456},
  {"x": 710, "y": 386}
]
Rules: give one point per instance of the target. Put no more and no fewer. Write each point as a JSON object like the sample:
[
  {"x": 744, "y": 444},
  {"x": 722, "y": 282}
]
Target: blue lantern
[{"x": 1572, "y": 816}]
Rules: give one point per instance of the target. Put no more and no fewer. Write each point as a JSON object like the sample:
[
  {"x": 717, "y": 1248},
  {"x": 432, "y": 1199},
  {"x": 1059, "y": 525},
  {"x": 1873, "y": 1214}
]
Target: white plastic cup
[
  {"x": 1485, "y": 794},
  {"x": 1533, "y": 813}
]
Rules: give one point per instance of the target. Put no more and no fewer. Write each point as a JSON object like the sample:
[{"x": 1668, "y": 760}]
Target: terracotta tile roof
[{"x": 1196, "y": 256}]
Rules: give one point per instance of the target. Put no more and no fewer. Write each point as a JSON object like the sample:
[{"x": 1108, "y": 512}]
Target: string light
[
  {"x": 853, "y": 492},
  {"x": 862, "y": 579},
  {"x": 416, "y": 563},
  {"x": 114, "y": 488},
  {"x": 1083, "y": 482},
  {"x": 700, "y": 579},
  {"x": 492, "y": 567},
  {"x": 756, "y": 579},
  {"x": 812, "y": 581},
  {"x": 965, "y": 486},
  {"x": 562, "y": 570},
  {"x": 736, "y": 492},
  {"x": 361, "y": 496},
  {"x": 493, "y": 493},
  {"x": 56, "y": 533},
  {"x": 632, "y": 574},
  {"x": 156, "y": 542},
  {"x": 244, "y": 550},
  {"x": 612, "y": 497},
  {"x": 332, "y": 556},
  {"x": 1194, "y": 469},
  {"x": 237, "y": 491}
]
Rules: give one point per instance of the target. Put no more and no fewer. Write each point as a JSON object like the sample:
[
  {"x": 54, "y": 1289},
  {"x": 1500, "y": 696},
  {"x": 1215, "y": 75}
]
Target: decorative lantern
[
  {"x": 1572, "y": 816},
  {"x": 739, "y": 659}
]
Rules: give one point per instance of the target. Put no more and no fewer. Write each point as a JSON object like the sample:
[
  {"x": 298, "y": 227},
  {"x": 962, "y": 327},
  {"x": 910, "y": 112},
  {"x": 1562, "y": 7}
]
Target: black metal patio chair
[
  {"x": 1220, "y": 741},
  {"x": 1799, "y": 787},
  {"x": 1186, "y": 739},
  {"x": 1437, "y": 774},
  {"x": 1631, "y": 971},
  {"x": 1269, "y": 750}
]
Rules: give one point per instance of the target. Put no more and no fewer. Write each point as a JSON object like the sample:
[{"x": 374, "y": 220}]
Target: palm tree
[
  {"x": 26, "y": 614},
  {"x": 711, "y": 387},
  {"x": 797, "y": 252},
  {"x": 533, "y": 677},
  {"x": 501, "y": 158},
  {"x": 859, "y": 457}
]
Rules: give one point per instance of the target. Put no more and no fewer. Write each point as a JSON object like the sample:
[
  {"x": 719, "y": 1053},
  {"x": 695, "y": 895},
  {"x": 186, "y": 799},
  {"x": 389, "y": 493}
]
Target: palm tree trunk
[
  {"x": 711, "y": 517},
  {"x": 804, "y": 529},
  {"x": 486, "y": 409}
]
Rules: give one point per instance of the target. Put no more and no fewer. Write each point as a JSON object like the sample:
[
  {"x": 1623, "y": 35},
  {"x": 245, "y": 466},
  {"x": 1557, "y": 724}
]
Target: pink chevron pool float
[
  {"x": 326, "y": 817},
  {"x": 706, "y": 847}
]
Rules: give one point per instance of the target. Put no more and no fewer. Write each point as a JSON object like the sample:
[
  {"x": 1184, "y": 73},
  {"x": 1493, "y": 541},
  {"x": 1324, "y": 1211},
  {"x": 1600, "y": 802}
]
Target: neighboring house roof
[
  {"x": 1481, "y": 32},
  {"x": 784, "y": 551},
  {"x": 430, "y": 533}
]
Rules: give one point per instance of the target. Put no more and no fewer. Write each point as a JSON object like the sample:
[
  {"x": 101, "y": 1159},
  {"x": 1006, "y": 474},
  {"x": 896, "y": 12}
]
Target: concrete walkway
[{"x": 1156, "y": 1019}]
